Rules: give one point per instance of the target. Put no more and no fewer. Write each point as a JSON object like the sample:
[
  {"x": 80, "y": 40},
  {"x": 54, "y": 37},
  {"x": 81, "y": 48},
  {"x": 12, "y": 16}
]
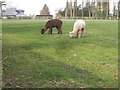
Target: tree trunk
[{"x": 82, "y": 8}]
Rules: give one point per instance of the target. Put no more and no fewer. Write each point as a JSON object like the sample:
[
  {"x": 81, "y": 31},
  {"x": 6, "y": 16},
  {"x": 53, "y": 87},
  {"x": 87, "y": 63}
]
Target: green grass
[{"x": 49, "y": 61}]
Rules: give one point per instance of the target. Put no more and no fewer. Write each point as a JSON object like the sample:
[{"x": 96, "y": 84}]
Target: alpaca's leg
[
  {"x": 79, "y": 33},
  {"x": 82, "y": 31},
  {"x": 59, "y": 30},
  {"x": 50, "y": 31}
]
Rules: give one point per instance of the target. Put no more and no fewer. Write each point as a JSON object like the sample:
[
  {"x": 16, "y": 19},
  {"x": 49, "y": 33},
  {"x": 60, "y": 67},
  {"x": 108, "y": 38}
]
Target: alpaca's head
[
  {"x": 42, "y": 31},
  {"x": 71, "y": 34}
]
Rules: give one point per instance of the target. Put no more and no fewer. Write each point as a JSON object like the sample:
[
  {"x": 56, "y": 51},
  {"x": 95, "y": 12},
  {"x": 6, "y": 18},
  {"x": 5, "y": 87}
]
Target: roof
[
  {"x": 10, "y": 11},
  {"x": 13, "y": 12},
  {"x": 19, "y": 10}
]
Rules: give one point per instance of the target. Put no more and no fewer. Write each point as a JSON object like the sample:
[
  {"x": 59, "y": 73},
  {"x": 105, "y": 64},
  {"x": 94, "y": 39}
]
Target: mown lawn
[{"x": 49, "y": 61}]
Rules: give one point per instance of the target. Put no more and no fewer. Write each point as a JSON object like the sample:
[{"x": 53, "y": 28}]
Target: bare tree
[
  {"x": 119, "y": 9},
  {"x": 88, "y": 6},
  {"x": 66, "y": 9},
  {"x": 71, "y": 8},
  {"x": 82, "y": 8},
  {"x": 105, "y": 9},
  {"x": 93, "y": 8},
  {"x": 75, "y": 8}
]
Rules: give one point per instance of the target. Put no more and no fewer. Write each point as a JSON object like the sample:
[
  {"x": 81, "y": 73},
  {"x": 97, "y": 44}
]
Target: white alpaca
[{"x": 78, "y": 29}]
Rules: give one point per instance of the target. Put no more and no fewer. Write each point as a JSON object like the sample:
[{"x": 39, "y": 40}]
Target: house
[
  {"x": 20, "y": 13},
  {"x": 11, "y": 13}
]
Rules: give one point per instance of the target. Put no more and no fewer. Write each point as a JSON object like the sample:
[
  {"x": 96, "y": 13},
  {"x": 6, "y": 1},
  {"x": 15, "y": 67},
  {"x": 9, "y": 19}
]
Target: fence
[{"x": 51, "y": 17}]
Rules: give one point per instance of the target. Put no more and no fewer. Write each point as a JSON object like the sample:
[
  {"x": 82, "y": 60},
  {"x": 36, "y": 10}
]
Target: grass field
[{"x": 49, "y": 61}]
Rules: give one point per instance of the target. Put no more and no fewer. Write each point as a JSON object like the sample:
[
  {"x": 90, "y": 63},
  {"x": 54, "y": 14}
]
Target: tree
[
  {"x": 1, "y": 4},
  {"x": 79, "y": 10},
  {"x": 93, "y": 10},
  {"x": 61, "y": 13},
  {"x": 82, "y": 8},
  {"x": 89, "y": 8},
  {"x": 119, "y": 9}
]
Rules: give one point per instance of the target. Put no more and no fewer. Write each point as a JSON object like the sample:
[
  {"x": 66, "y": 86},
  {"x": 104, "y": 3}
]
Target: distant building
[
  {"x": 10, "y": 12},
  {"x": 20, "y": 13},
  {"x": 13, "y": 13},
  {"x": 45, "y": 10},
  {"x": 44, "y": 13}
]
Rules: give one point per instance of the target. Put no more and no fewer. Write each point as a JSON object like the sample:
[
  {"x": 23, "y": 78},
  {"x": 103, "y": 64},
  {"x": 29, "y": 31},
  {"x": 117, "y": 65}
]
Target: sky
[{"x": 33, "y": 7}]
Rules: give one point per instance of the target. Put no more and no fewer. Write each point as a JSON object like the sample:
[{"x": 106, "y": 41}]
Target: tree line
[{"x": 93, "y": 10}]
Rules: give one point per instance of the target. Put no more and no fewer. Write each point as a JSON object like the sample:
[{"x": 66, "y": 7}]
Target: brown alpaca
[{"x": 51, "y": 24}]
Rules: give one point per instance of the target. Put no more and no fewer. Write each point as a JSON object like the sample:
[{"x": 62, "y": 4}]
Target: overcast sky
[{"x": 33, "y": 7}]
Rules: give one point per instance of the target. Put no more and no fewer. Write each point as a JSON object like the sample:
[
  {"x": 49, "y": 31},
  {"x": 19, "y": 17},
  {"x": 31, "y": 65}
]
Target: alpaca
[
  {"x": 78, "y": 29},
  {"x": 52, "y": 23}
]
